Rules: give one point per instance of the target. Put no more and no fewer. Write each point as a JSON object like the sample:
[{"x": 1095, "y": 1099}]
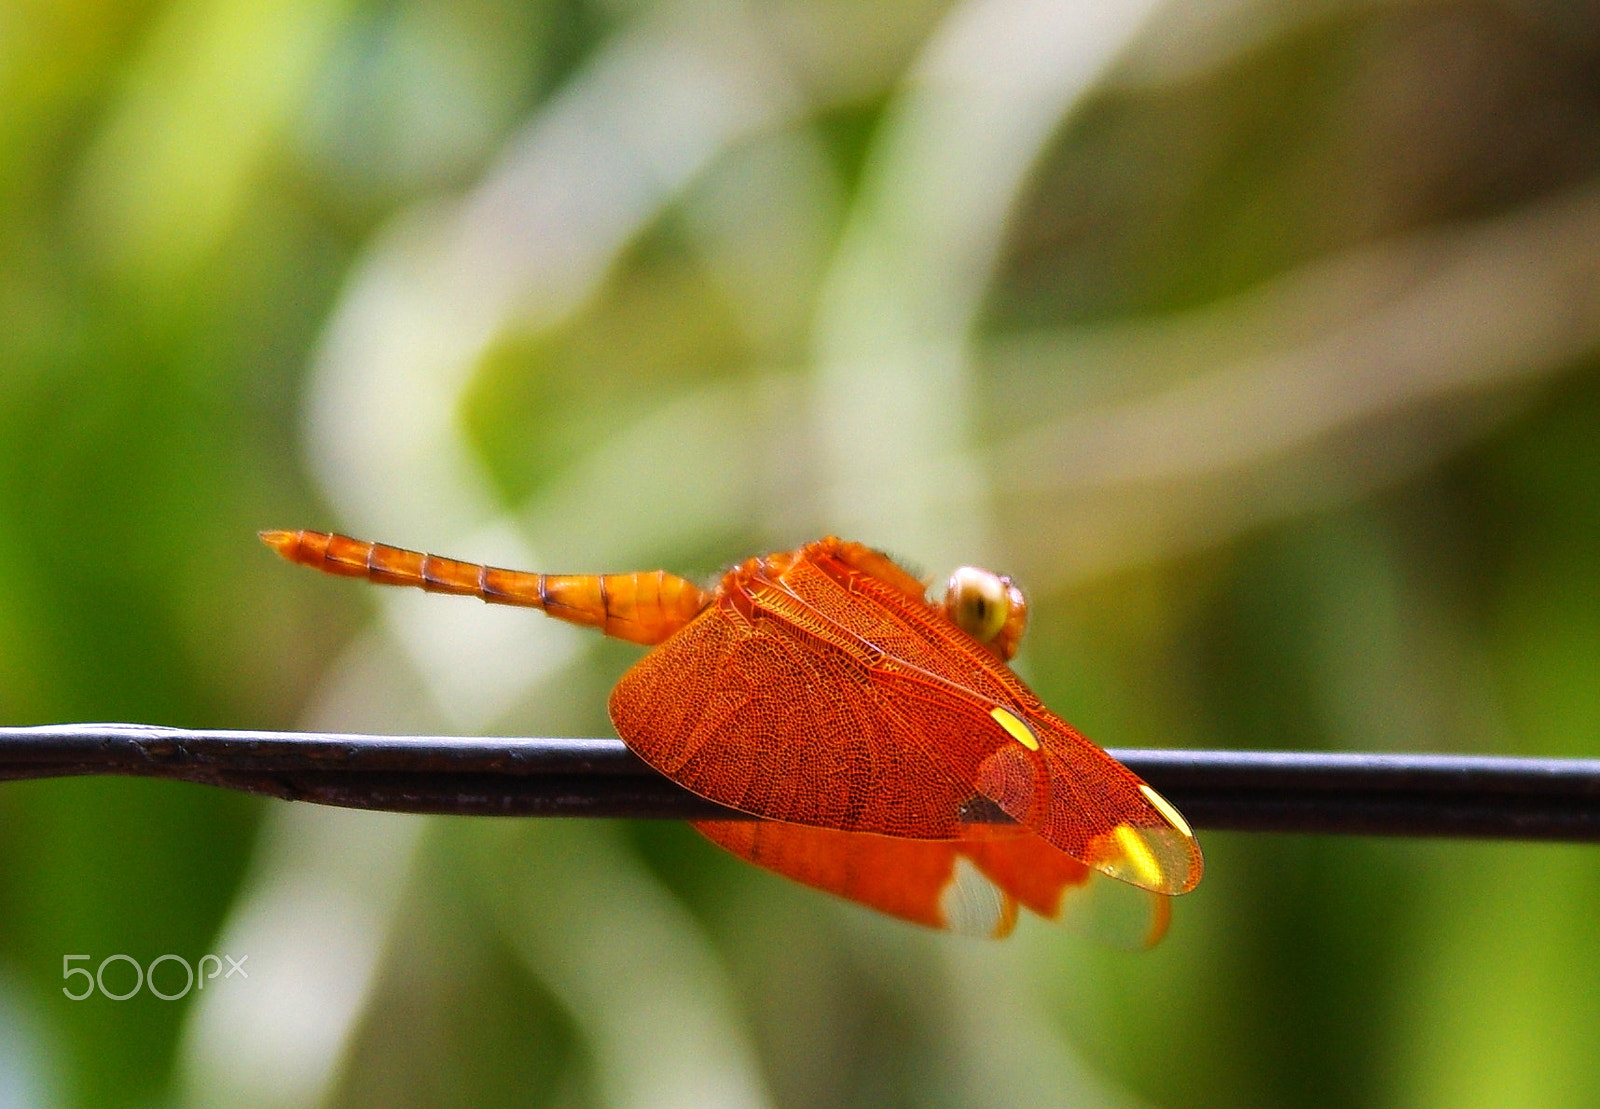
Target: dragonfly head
[{"x": 988, "y": 607}]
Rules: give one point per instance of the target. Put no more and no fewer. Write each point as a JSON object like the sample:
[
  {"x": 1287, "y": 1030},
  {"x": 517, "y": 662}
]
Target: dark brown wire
[{"x": 1260, "y": 791}]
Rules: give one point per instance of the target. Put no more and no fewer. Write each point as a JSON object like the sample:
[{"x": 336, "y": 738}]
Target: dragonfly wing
[
  {"x": 1138, "y": 837},
  {"x": 990, "y": 730},
  {"x": 924, "y": 881},
  {"x": 1062, "y": 889},
  {"x": 840, "y": 703},
  {"x": 779, "y": 725},
  {"x": 972, "y": 886},
  {"x": 1047, "y": 777}
]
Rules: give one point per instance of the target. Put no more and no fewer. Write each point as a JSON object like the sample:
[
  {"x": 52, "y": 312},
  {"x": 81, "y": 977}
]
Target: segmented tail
[{"x": 641, "y": 608}]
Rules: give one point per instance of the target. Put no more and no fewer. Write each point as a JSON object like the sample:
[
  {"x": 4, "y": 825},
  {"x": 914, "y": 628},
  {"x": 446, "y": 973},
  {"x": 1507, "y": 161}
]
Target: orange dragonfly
[{"x": 821, "y": 690}]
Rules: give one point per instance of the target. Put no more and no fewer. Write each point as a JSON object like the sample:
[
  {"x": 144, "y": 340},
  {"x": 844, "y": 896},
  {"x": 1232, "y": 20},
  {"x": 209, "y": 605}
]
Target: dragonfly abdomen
[{"x": 640, "y": 607}]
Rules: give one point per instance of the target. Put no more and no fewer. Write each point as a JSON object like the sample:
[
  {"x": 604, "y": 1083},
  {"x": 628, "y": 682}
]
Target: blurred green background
[{"x": 1257, "y": 339}]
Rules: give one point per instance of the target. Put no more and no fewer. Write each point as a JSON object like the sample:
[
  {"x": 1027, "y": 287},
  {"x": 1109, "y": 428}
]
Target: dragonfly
[{"x": 870, "y": 728}]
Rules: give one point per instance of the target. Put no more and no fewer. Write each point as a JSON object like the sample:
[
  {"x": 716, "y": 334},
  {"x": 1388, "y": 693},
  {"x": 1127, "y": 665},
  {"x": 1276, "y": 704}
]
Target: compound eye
[{"x": 978, "y": 603}]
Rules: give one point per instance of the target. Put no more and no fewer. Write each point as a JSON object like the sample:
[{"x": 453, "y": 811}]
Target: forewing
[
  {"x": 1050, "y": 779},
  {"x": 1133, "y": 833},
  {"x": 771, "y": 721},
  {"x": 994, "y": 732}
]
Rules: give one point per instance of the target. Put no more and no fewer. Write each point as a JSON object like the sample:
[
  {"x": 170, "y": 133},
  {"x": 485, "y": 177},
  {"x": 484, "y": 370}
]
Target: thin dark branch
[{"x": 1264, "y": 791}]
